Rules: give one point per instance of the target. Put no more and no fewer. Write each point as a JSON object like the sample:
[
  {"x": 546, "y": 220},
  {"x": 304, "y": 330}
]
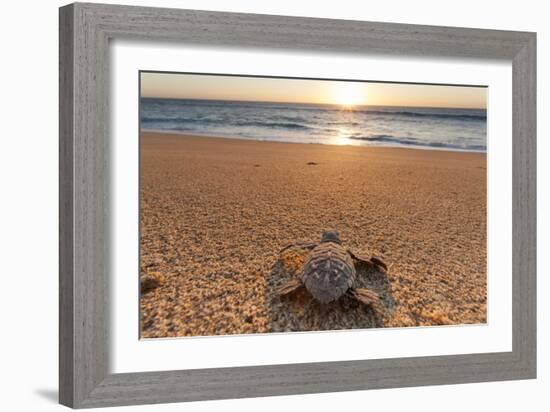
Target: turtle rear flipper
[
  {"x": 369, "y": 298},
  {"x": 375, "y": 262},
  {"x": 289, "y": 287}
]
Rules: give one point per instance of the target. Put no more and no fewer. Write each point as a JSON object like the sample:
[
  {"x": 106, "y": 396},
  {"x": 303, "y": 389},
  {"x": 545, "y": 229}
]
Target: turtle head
[{"x": 330, "y": 236}]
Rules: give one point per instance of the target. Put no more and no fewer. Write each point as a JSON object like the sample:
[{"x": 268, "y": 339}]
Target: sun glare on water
[{"x": 348, "y": 95}]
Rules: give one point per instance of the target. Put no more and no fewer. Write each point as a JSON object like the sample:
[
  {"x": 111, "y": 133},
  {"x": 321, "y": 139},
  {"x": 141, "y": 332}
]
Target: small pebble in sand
[{"x": 151, "y": 281}]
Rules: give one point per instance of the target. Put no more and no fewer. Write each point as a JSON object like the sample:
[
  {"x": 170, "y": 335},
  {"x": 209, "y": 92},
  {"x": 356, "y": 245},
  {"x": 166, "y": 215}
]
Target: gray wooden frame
[{"x": 85, "y": 31}]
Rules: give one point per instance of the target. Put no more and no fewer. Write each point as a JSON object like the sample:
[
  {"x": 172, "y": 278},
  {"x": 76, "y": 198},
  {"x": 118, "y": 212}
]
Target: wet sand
[{"x": 215, "y": 212}]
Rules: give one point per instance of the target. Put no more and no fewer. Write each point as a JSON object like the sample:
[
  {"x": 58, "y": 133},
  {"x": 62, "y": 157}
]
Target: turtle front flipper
[
  {"x": 299, "y": 245},
  {"x": 289, "y": 287},
  {"x": 369, "y": 298},
  {"x": 371, "y": 262}
]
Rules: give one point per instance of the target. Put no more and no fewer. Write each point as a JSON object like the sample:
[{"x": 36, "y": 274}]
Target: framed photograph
[{"x": 256, "y": 205}]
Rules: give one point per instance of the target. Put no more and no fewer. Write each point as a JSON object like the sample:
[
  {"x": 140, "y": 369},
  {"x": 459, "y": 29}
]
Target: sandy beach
[{"x": 216, "y": 211}]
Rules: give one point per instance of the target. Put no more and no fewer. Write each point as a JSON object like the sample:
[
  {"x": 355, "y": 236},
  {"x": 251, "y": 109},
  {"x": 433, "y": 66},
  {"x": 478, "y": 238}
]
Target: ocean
[{"x": 413, "y": 127}]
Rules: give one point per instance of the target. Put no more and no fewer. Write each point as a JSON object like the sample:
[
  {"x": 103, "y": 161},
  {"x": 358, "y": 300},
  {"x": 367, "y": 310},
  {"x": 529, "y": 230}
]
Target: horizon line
[{"x": 312, "y": 103}]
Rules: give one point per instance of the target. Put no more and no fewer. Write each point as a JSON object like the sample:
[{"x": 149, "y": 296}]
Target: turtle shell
[{"x": 328, "y": 272}]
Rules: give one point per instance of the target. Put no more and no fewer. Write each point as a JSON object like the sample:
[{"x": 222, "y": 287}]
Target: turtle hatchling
[{"x": 329, "y": 272}]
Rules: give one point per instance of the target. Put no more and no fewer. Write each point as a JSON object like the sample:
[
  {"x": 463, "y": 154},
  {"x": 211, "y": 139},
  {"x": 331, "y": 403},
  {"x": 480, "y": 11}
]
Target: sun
[{"x": 348, "y": 94}]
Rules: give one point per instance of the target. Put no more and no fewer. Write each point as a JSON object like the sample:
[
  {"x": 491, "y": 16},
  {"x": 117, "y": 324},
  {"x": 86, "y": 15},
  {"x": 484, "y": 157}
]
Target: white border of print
[{"x": 130, "y": 354}]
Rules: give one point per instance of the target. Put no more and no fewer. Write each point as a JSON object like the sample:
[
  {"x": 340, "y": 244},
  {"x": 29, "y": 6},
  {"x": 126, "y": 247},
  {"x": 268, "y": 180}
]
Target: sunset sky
[{"x": 346, "y": 93}]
